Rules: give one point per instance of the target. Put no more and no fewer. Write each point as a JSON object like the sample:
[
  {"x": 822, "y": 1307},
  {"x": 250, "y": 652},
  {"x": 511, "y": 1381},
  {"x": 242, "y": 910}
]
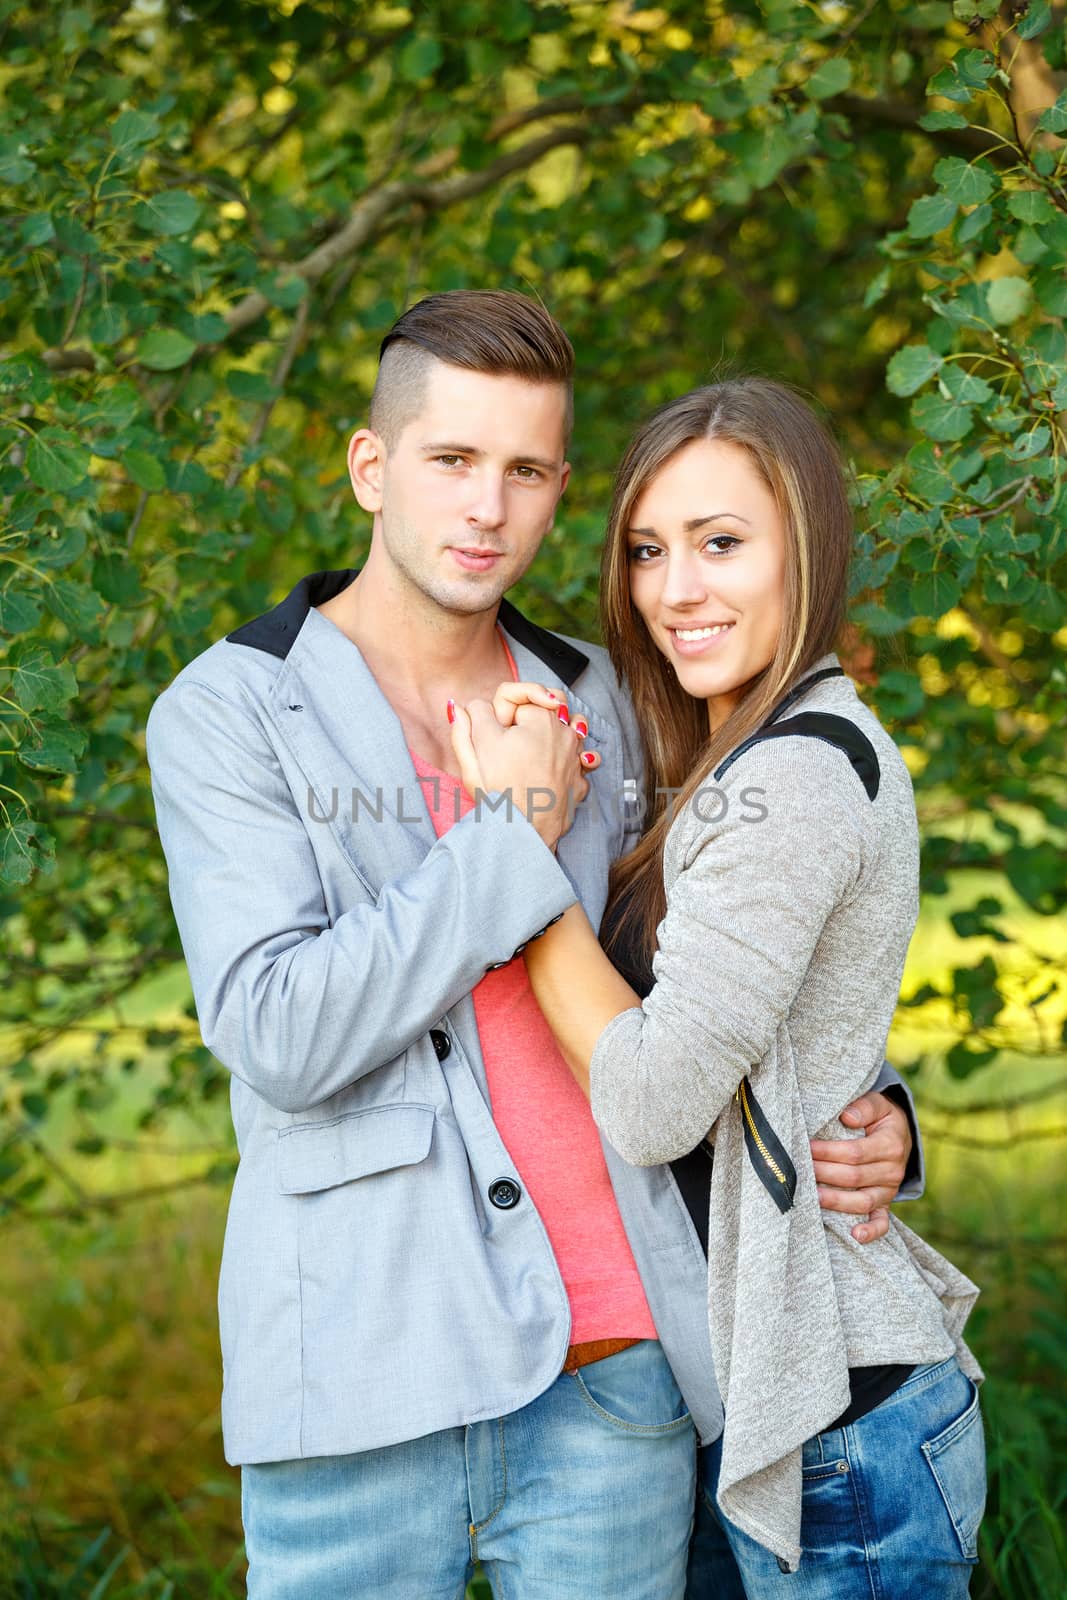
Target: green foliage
[{"x": 210, "y": 220}]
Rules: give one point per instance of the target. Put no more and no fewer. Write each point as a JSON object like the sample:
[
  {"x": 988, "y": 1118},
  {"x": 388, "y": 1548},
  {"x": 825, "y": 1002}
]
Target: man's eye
[
  {"x": 448, "y": 461},
  {"x": 530, "y": 474}
]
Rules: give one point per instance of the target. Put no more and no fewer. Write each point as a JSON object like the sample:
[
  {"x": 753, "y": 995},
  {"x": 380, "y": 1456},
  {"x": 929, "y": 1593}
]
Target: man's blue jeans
[
  {"x": 588, "y": 1491},
  {"x": 892, "y": 1505}
]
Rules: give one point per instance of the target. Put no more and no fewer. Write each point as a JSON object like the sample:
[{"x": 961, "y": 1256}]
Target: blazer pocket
[{"x": 320, "y": 1155}]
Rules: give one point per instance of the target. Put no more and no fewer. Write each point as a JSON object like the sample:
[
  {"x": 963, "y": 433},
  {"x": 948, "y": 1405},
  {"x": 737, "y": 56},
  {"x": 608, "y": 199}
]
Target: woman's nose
[{"x": 683, "y": 583}]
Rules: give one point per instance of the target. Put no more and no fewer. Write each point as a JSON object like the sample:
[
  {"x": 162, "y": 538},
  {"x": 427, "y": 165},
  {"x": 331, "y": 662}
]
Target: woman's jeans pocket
[{"x": 956, "y": 1457}]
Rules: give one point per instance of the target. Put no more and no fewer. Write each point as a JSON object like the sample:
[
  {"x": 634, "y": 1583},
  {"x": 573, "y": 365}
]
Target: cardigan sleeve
[{"x": 744, "y": 915}]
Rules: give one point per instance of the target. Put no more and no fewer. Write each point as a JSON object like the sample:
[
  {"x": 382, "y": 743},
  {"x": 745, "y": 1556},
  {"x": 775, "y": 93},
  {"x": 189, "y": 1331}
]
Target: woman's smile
[{"x": 707, "y": 569}]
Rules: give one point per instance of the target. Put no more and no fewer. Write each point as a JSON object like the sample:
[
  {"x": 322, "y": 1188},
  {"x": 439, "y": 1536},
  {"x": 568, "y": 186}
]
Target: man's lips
[{"x": 473, "y": 559}]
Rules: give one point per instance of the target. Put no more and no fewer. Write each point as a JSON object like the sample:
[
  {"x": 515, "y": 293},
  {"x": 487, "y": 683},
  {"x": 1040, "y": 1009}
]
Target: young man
[{"x": 437, "y": 1344}]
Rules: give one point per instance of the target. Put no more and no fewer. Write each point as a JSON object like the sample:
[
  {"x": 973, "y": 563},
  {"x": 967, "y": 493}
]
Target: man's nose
[
  {"x": 683, "y": 582},
  {"x": 487, "y": 508}
]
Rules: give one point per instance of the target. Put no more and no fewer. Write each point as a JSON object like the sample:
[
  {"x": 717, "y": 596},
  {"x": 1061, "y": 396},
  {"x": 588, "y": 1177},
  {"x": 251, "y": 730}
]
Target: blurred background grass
[{"x": 112, "y": 1481}]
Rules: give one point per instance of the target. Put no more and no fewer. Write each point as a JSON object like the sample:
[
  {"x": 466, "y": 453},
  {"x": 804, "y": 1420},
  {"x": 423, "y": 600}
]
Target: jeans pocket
[
  {"x": 634, "y": 1390},
  {"x": 956, "y": 1457}
]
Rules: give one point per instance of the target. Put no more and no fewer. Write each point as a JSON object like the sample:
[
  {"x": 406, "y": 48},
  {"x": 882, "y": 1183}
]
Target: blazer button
[
  {"x": 441, "y": 1043},
  {"x": 505, "y": 1193}
]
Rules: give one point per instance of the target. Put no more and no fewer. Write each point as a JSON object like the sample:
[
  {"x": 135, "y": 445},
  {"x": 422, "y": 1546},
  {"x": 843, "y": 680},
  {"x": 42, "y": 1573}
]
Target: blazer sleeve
[
  {"x": 744, "y": 915},
  {"x": 294, "y": 1005}
]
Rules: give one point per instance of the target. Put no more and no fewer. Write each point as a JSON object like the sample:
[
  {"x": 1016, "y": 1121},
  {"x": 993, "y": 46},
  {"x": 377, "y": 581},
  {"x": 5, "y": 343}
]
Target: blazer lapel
[{"x": 350, "y": 745}]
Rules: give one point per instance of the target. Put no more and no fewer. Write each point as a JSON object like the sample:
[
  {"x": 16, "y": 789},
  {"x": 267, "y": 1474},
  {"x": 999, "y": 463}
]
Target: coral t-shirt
[{"x": 548, "y": 1130}]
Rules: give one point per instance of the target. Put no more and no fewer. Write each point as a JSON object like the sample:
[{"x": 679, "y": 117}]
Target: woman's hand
[{"x": 533, "y": 757}]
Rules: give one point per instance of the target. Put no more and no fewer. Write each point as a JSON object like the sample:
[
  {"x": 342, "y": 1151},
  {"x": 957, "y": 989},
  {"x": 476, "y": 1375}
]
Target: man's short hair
[{"x": 484, "y": 330}]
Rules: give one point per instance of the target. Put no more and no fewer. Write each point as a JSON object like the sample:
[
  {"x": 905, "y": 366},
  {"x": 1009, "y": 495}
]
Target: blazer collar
[{"x": 276, "y": 630}]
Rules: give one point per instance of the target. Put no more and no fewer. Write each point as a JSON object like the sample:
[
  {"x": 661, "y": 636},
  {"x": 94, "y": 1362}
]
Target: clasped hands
[{"x": 523, "y": 742}]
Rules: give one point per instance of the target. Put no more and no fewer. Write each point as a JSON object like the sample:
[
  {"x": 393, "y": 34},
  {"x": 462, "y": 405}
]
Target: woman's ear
[{"x": 366, "y": 467}]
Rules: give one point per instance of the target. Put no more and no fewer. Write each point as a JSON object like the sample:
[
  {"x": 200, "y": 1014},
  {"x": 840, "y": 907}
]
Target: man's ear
[
  {"x": 366, "y": 467},
  {"x": 564, "y": 478}
]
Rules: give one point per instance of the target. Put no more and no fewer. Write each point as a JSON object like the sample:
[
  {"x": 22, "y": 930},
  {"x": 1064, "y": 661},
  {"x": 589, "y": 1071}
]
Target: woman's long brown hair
[{"x": 800, "y": 463}]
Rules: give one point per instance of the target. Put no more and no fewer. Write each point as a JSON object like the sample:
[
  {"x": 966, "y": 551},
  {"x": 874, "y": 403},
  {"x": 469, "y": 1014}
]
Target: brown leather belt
[{"x": 583, "y": 1355}]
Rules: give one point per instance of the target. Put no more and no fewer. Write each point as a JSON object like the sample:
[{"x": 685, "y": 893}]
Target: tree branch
[
  {"x": 106, "y": 1202},
  {"x": 373, "y": 212}
]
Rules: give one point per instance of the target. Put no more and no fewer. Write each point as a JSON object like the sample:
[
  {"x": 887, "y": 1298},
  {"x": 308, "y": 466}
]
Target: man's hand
[
  {"x": 864, "y": 1175},
  {"x": 536, "y": 760}
]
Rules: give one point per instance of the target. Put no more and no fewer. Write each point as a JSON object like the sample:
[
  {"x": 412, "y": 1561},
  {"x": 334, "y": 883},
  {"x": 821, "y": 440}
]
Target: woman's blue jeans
[
  {"x": 586, "y": 1492},
  {"x": 891, "y": 1510}
]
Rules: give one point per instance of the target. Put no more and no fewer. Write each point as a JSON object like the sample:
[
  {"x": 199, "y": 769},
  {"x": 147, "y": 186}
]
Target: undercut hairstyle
[{"x": 483, "y": 330}]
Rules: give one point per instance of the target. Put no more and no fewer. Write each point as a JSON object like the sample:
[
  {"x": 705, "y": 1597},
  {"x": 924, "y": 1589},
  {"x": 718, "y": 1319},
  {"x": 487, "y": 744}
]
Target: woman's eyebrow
[{"x": 693, "y": 523}]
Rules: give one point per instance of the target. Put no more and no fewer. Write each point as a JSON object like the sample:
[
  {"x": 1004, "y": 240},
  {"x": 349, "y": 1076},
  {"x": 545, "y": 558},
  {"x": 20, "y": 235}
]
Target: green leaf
[
  {"x": 173, "y": 211},
  {"x": 58, "y": 547},
  {"x": 244, "y": 385},
  {"x": 910, "y": 368},
  {"x": 930, "y": 214},
  {"x": 56, "y": 460},
  {"x": 36, "y": 229},
  {"x": 117, "y": 580},
  {"x": 1054, "y": 118},
  {"x": 18, "y": 857},
  {"x": 1051, "y": 289},
  {"x": 1008, "y": 299},
  {"x": 27, "y": 375},
  {"x": 15, "y": 165},
  {"x": 1036, "y": 20},
  {"x": 899, "y": 694},
  {"x": 18, "y": 611},
  {"x": 133, "y": 128},
  {"x": 420, "y": 58},
  {"x": 56, "y": 747},
  {"x": 164, "y": 349},
  {"x": 1031, "y": 205},
  {"x": 1031, "y": 444},
  {"x": 935, "y": 121},
  {"x": 829, "y": 78},
  {"x": 965, "y": 183},
  {"x": 966, "y": 387},
  {"x": 943, "y": 420},
  {"x": 935, "y": 593},
  {"x": 877, "y": 289},
  {"x": 145, "y": 470},
  {"x": 38, "y": 682},
  {"x": 76, "y": 605}
]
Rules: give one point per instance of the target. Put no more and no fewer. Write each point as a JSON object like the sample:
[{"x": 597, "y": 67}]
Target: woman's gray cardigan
[{"x": 791, "y": 898}]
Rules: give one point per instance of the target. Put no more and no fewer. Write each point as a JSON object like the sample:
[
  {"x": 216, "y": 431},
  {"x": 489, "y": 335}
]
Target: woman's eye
[
  {"x": 643, "y": 552},
  {"x": 721, "y": 544}
]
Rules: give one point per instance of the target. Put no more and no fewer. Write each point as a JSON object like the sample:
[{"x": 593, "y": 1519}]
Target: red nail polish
[
  {"x": 450, "y": 711},
  {"x": 587, "y": 758},
  {"x": 581, "y": 727},
  {"x": 550, "y": 695},
  {"x": 564, "y": 716}
]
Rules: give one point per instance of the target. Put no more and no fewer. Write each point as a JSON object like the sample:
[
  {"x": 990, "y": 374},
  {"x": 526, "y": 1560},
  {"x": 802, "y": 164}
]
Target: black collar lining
[{"x": 275, "y": 631}]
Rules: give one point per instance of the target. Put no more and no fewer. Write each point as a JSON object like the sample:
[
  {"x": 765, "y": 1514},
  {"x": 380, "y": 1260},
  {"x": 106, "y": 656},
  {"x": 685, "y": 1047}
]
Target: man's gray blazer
[{"x": 379, "y": 1281}]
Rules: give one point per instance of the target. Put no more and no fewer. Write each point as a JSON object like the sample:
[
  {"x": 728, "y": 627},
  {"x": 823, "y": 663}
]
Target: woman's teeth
[{"x": 689, "y": 634}]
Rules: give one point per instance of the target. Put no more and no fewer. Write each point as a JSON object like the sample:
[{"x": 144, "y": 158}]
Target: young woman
[{"x": 763, "y": 922}]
